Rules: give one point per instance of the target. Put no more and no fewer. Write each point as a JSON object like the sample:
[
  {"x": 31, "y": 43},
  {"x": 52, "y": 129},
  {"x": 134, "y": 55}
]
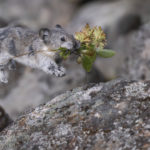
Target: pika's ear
[
  {"x": 44, "y": 34},
  {"x": 58, "y": 26}
]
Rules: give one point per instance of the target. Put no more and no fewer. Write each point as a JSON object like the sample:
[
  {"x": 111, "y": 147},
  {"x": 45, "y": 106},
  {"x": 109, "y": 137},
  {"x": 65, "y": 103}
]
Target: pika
[{"x": 34, "y": 49}]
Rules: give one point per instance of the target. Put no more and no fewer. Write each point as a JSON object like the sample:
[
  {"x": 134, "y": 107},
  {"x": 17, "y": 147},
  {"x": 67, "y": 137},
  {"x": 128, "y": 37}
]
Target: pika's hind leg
[
  {"x": 3, "y": 75},
  {"x": 3, "y": 71},
  {"x": 12, "y": 65}
]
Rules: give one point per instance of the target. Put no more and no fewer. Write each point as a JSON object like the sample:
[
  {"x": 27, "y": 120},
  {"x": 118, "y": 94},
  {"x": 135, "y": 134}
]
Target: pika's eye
[{"x": 63, "y": 39}]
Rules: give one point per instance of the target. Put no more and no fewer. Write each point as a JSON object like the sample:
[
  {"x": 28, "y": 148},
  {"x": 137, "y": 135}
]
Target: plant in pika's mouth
[{"x": 93, "y": 41}]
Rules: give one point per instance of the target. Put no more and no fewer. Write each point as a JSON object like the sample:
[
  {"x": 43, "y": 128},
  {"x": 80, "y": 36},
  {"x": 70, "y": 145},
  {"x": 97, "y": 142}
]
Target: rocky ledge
[{"x": 105, "y": 116}]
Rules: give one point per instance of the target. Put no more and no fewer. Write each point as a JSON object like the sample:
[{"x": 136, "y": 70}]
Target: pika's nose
[
  {"x": 67, "y": 45},
  {"x": 70, "y": 45}
]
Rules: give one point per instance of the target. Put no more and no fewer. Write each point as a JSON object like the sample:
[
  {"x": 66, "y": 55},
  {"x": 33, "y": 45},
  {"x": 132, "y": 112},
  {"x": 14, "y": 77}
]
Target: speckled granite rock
[{"x": 111, "y": 116}]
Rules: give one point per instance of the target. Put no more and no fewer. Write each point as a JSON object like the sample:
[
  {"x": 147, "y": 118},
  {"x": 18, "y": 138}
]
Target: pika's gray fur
[{"x": 30, "y": 48}]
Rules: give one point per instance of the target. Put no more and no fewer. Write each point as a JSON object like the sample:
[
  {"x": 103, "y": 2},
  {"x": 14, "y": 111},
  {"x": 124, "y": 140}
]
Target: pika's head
[{"x": 58, "y": 37}]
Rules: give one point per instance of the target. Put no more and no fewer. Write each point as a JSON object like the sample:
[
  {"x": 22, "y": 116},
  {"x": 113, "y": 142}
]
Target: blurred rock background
[{"x": 125, "y": 22}]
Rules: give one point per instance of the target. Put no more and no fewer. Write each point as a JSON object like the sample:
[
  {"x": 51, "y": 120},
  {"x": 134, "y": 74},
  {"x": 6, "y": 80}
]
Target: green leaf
[
  {"x": 105, "y": 53},
  {"x": 87, "y": 63},
  {"x": 62, "y": 49},
  {"x": 64, "y": 53}
]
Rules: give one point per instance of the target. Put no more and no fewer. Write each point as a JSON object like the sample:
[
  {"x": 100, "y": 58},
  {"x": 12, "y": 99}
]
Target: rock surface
[{"x": 110, "y": 116}]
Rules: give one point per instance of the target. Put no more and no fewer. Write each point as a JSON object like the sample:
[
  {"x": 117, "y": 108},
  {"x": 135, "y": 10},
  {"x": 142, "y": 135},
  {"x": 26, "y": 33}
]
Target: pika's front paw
[
  {"x": 3, "y": 77},
  {"x": 60, "y": 72},
  {"x": 56, "y": 70}
]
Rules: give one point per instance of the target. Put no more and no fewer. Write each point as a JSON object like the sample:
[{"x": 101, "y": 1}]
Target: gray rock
[
  {"x": 128, "y": 23},
  {"x": 108, "y": 13},
  {"x": 100, "y": 14},
  {"x": 136, "y": 64},
  {"x": 37, "y": 13},
  {"x": 114, "y": 115}
]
